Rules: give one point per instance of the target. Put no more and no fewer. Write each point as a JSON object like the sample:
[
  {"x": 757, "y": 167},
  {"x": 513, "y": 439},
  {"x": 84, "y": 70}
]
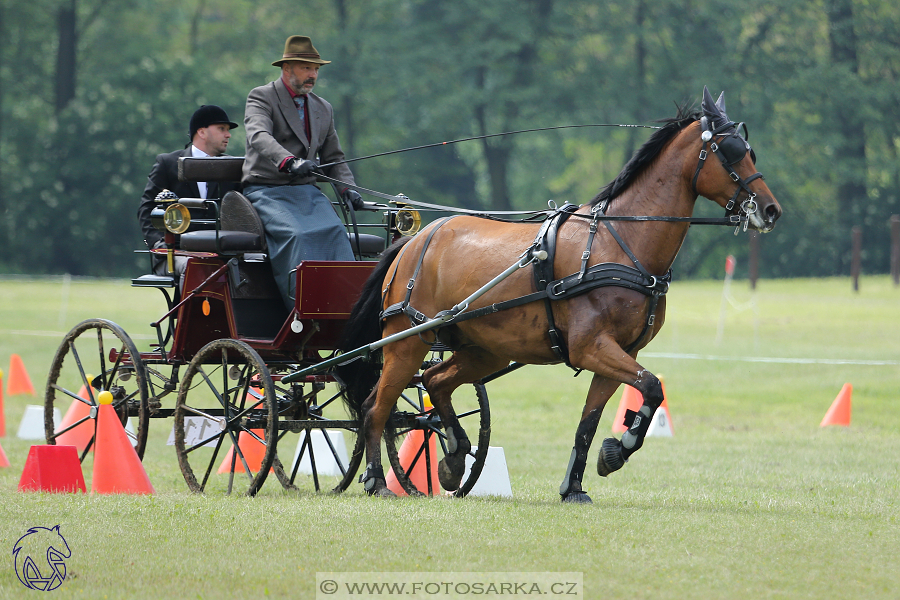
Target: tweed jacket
[{"x": 275, "y": 131}]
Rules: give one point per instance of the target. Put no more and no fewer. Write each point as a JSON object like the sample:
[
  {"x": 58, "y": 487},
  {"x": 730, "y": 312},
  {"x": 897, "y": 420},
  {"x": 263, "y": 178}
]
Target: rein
[{"x": 532, "y": 215}]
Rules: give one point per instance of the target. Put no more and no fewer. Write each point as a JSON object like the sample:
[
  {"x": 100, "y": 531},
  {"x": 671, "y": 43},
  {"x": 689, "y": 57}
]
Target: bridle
[{"x": 731, "y": 149}]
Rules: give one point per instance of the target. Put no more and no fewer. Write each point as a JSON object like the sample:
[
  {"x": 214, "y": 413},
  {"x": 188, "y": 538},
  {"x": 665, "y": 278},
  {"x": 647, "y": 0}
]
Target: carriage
[
  {"x": 224, "y": 346},
  {"x": 398, "y": 337}
]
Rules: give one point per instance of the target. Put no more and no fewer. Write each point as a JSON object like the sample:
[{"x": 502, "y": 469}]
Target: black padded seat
[
  {"x": 369, "y": 245},
  {"x": 242, "y": 231},
  {"x": 228, "y": 241},
  {"x": 238, "y": 214}
]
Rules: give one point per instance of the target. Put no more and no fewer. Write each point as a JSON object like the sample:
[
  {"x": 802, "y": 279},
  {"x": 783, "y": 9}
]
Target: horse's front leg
[
  {"x": 608, "y": 360},
  {"x": 614, "y": 453},
  {"x": 599, "y": 393}
]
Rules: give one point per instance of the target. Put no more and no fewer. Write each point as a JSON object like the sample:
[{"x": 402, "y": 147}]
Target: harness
[
  {"x": 549, "y": 289},
  {"x": 730, "y": 150}
]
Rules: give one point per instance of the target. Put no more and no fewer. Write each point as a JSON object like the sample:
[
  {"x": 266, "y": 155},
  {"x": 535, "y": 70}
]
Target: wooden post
[
  {"x": 895, "y": 249},
  {"x": 754, "y": 258},
  {"x": 856, "y": 235}
]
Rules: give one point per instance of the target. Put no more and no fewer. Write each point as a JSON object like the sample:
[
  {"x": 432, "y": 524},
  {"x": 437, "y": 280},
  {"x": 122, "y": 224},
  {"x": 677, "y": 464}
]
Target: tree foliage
[{"x": 92, "y": 90}]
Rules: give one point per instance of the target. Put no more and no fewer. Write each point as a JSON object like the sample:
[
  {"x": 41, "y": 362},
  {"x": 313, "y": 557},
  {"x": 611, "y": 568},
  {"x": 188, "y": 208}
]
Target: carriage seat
[{"x": 241, "y": 230}]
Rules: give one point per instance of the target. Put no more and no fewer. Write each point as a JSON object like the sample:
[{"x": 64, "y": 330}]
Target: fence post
[
  {"x": 895, "y": 249},
  {"x": 856, "y": 235}
]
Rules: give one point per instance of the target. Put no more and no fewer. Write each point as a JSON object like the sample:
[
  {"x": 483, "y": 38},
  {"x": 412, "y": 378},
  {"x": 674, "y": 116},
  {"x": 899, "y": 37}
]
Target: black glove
[
  {"x": 354, "y": 199},
  {"x": 301, "y": 167}
]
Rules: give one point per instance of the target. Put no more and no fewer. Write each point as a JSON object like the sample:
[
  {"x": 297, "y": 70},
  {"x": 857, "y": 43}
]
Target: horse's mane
[{"x": 648, "y": 152}]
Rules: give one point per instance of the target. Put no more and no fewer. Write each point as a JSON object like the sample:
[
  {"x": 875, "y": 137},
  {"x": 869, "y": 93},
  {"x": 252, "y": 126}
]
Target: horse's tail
[{"x": 362, "y": 328}]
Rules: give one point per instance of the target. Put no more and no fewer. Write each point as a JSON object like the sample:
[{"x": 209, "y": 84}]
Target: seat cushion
[
  {"x": 229, "y": 241},
  {"x": 369, "y": 245}
]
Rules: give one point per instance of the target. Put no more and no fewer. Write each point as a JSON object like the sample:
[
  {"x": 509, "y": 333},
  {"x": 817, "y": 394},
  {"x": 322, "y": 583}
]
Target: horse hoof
[
  {"x": 577, "y": 498},
  {"x": 450, "y": 472},
  {"x": 611, "y": 458},
  {"x": 380, "y": 489}
]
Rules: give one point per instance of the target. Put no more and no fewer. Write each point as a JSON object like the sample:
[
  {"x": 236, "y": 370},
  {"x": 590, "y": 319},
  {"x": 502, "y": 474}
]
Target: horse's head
[{"x": 731, "y": 180}]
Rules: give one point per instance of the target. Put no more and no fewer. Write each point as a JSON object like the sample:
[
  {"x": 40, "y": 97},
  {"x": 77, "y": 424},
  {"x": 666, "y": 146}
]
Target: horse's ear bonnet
[{"x": 714, "y": 111}]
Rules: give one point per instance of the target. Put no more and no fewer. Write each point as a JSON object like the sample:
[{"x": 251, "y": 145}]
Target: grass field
[{"x": 749, "y": 499}]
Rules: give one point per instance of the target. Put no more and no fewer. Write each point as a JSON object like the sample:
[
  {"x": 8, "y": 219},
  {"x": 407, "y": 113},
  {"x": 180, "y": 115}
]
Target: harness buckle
[
  {"x": 734, "y": 176},
  {"x": 411, "y": 284},
  {"x": 585, "y": 255},
  {"x": 714, "y": 147},
  {"x": 703, "y": 154}
]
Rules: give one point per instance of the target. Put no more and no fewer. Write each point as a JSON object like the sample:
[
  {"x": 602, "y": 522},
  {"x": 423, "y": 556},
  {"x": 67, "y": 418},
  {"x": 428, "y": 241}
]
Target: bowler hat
[
  {"x": 300, "y": 48},
  {"x": 209, "y": 114}
]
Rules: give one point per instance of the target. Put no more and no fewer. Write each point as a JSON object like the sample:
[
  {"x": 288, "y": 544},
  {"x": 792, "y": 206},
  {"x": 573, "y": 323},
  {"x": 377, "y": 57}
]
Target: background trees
[{"x": 91, "y": 90}]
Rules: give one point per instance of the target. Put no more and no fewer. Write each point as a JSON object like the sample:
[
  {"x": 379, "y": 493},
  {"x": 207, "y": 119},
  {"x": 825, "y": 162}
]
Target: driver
[{"x": 288, "y": 128}]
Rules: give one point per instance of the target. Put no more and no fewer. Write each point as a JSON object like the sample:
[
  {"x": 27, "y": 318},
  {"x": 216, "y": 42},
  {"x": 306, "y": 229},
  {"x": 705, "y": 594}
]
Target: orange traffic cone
[
  {"x": 631, "y": 400},
  {"x": 253, "y": 452},
  {"x": 412, "y": 445},
  {"x": 839, "y": 413},
  {"x": 79, "y": 436},
  {"x": 2, "y": 416},
  {"x": 4, "y": 462},
  {"x": 117, "y": 468},
  {"x": 19, "y": 382}
]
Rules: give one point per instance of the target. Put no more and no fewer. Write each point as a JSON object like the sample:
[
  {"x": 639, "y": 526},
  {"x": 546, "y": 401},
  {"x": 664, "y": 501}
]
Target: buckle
[
  {"x": 585, "y": 255},
  {"x": 703, "y": 154},
  {"x": 411, "y": 284}
]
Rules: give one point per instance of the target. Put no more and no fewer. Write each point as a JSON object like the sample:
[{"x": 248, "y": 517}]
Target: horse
[{"x": 600, "y": 329}]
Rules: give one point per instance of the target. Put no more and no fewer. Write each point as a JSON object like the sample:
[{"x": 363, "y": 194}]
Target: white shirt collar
[{"x": 201, "y": 185}]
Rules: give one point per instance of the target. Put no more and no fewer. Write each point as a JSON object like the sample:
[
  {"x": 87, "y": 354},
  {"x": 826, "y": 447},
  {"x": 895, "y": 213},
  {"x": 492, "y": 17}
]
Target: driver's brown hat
[{"x": 300, "y": 48}]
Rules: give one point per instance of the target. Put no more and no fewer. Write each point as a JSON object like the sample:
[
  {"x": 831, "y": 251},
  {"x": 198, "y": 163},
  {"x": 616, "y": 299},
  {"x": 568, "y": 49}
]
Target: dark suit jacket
[
  {"x": 274, "y": 132},
  {"x": 164, "y": 176}
]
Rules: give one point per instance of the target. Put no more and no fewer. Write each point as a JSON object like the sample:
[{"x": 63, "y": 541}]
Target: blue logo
[{"x": 40, "y": 558}]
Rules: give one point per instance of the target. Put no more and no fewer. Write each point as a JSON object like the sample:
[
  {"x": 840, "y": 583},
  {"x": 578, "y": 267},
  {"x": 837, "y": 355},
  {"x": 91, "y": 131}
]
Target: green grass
[{"x": 751, "y": 498}]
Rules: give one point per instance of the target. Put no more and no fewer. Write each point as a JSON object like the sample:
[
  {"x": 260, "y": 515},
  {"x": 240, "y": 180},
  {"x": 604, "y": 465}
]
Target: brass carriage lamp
[
  {"x": 407, "y": 221},
  {"x": 173, "y": 218}
]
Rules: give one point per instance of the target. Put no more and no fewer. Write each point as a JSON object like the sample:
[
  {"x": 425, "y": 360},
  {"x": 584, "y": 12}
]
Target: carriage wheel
[
  {"x": 225, "y": 432},
  {"x": 320, "y": 460},
  {"x": 470, "y": 411},
  {"x": 95, "y": 356}
]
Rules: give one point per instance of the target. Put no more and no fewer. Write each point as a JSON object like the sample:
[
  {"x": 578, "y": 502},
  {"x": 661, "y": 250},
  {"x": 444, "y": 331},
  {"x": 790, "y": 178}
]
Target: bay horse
[{"x": 600, "y": 329}]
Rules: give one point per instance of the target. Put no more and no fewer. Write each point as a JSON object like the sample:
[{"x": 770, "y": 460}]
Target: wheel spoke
[
  {"x": 71, "y": 394},
  {"x": 87, "y": 384},
  {"x": 103, "y": 382},
  {"x": 72, "y": 426}
]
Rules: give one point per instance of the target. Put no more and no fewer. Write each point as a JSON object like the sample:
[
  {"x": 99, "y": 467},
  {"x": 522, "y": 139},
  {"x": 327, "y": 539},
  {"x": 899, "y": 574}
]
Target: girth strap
[{"x": 543, "y": 274}]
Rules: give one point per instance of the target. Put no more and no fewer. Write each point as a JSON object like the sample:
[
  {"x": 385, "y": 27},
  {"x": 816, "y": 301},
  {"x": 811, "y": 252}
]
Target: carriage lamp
[
  {"x": 408, "y": 221},
  {"x": 177, "y": 218}
]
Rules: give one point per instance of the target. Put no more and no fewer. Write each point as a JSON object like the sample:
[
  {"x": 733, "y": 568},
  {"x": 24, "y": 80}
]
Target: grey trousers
[{"x": 300, "y": 225}]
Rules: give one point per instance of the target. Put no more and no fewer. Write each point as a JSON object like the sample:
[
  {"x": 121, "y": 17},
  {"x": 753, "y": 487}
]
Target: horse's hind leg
[
  {"x": 402, "y": 360},
  {"x": 465, "y": 366}
]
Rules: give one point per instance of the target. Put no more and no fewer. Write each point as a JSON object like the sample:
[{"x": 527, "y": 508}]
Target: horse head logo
[{"x": 40, "y": 558}]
